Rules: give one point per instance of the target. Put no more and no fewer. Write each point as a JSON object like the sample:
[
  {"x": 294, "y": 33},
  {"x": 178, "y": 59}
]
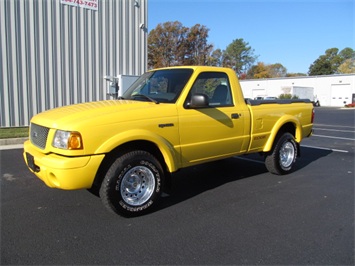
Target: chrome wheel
[
  {"x": 137, "y": 185},
  {"x": 287, "y": 154},
  {"x": 283, "y": 156},
  {"x": 133, "y": 184}
]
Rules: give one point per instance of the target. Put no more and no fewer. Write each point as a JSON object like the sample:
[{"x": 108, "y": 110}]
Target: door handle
[{"x": 236, "y": 116}]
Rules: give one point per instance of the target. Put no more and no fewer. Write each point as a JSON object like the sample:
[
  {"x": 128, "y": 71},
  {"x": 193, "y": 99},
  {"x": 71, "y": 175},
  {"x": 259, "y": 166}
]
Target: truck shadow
[
  {"x": 192, "y": 181},
  {"x": 309, "y": 155}
]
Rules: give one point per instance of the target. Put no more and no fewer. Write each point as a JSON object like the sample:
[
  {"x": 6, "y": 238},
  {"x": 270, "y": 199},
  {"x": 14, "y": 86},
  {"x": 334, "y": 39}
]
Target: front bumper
[{"x": 61, "y": 171}]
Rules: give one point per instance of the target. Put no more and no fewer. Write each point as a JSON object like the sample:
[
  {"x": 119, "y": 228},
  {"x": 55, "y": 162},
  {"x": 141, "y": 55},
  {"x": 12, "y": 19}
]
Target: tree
[
  {"x": 330, "y": 62},
  {"x": 215, "y": 58},
  {"x": 347, "y": 53},
  {"x": 262, "y": 70},
  {"x": 347, "y": 67},
  {"x": 277, "y": 70},
  {"x": 348, "y": 61},
  {"x": 197, "y": 49},
  {"x": 239, "y": 56},
  {"x": 258, "y": 71},
  {"x": 325, "y": 64},
  {"x": 295, "y": 74},
  {"x": 172, "y": 44},
  {"x": 165, "y": 44}
]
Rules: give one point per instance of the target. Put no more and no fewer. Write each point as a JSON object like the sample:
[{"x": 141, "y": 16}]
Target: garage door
[
  {"x": 258, "y": 93},
  {"x": 341, "y": 93}
]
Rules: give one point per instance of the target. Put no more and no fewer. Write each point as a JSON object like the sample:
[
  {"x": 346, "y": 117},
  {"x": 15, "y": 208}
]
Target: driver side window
[{"x": 214, "y": 85}]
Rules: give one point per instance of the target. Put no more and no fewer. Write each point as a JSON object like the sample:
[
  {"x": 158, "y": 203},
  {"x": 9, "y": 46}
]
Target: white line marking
[
  {"x": 326, "y": 149},
  {"x": 330, "y": 137},
  {"x": 249, "y": 160},
  {"x": 323, "y": 125},
  {"x": 335, "y": 130}
]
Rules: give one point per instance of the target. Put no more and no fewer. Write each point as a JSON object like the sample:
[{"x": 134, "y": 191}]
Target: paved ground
[{"x": 227, "y": 212}]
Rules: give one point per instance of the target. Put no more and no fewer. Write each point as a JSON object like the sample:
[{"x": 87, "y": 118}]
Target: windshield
[{"x": 160, "y": 86}]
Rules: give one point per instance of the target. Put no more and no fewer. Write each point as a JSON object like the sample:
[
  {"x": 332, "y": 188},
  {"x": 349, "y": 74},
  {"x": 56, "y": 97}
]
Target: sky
[{"x": 291, "y": 32}]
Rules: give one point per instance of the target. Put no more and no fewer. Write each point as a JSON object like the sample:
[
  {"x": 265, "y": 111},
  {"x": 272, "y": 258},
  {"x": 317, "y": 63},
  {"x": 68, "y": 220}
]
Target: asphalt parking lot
[{"x": 227, "y": 212}]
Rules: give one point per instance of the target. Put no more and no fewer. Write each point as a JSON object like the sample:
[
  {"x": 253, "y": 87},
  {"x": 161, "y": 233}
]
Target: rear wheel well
[
  {"x": 286, "y": 128},
  {"x": 119, "y": 151}
]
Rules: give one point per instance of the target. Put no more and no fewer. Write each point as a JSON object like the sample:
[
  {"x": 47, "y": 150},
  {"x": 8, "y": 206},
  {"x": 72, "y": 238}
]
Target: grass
[{"x": 13, "y": 132}]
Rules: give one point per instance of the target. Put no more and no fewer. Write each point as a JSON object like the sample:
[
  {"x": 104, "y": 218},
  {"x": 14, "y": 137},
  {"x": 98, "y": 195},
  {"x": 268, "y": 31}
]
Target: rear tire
[
  {"x": 132, "y": 185},
  {"x": 283, "y": 156}
]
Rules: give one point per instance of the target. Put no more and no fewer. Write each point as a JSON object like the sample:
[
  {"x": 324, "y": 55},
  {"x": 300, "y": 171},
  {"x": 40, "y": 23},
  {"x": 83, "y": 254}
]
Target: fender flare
[
  {"x": 171, "y": 157},
  {"x": 276, "y": 129}
]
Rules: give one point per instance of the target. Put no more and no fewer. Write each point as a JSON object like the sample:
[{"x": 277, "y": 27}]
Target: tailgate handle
[{"x": 236, "y": 116}]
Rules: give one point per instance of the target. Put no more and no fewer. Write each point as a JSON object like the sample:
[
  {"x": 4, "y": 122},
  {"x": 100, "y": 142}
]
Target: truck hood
[{"x": 98, "y": 113}]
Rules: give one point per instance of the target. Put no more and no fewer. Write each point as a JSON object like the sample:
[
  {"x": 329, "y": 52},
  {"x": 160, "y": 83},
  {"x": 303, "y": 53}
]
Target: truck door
[{"x": 216, "y": 130}]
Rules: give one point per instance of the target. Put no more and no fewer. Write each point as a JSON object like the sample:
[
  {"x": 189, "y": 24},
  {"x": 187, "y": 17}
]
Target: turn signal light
[{"x": 75, "y": 141}]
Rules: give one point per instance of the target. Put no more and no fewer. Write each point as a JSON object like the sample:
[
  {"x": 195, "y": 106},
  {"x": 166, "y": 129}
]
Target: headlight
[{"x": 69, "y": 140}]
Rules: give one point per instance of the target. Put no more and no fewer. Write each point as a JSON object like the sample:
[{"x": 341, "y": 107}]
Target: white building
[
  {"x": 332, "y": 90},
  {"x": 57, "y": 52}
]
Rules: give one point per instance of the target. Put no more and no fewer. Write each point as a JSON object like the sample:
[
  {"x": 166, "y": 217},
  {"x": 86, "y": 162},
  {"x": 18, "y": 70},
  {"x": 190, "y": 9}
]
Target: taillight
[{"x": 312, "y": 116}]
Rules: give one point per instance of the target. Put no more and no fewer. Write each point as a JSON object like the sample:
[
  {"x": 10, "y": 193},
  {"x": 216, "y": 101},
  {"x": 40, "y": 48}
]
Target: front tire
[
  {"x": 132, "y": 185},
  {"x": 283, "y": 156}
]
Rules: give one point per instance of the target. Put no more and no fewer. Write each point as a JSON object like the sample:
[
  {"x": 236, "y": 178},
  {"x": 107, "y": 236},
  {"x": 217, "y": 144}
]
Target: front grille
[{"x": 38, "y": 135}]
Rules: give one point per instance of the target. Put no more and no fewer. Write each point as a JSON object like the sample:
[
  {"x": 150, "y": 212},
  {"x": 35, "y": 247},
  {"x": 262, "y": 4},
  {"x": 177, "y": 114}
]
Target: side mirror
[{"x": 199, "y": 100}]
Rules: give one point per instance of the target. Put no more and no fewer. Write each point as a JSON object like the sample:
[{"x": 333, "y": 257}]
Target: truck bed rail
[{"x": 283, "y": 101}]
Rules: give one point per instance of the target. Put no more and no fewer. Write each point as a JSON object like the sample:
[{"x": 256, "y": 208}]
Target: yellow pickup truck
[{"x": 170, "y": 118}]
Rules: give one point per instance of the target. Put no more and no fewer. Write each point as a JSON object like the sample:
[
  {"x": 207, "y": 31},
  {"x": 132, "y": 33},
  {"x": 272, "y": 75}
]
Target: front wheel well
[{"x": 119, "y": 151}]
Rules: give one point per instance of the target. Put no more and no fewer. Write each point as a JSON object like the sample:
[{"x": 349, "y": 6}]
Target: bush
[
  {"x": 350, "y": 105},
  {"x": 288, "y": 96}
]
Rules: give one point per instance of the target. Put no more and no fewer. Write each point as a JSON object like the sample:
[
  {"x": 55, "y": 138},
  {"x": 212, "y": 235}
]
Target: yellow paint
[{"x": 184, "y": 136}]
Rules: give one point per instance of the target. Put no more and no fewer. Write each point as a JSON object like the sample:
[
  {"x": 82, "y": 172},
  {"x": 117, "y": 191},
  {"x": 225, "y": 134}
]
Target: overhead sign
[{"x": 88, "y": 4}]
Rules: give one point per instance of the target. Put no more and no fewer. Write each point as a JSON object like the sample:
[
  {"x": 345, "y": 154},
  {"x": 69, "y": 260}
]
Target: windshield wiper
[{"x": 145, "y": 96}]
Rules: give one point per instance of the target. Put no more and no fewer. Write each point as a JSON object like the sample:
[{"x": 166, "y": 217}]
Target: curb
[{"x": 13, "y": 141}]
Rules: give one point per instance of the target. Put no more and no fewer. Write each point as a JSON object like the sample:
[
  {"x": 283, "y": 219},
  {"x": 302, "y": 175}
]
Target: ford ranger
[{"x": 170, "y": 118}]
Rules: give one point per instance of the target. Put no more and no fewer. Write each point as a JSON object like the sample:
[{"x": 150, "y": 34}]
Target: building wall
[
  {"x": 332, "y": 90},
  {"x": 54, "y": 54}
]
